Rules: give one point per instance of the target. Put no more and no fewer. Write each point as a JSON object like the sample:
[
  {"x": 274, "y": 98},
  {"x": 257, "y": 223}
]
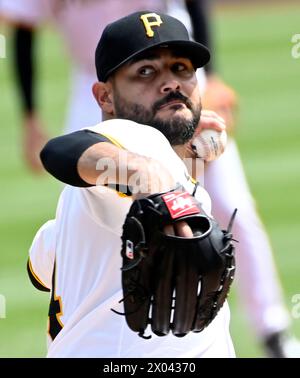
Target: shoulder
[
  {"x": 132, "y": 136},
  {"x": 126, "y": 130}
]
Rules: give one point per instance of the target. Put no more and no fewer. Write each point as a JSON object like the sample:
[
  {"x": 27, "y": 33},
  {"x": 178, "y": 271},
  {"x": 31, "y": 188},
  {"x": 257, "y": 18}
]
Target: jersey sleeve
[
  {"x": 30, "y": 12},
  {"x": 60, "y": 155},
  {"x": 41, "y": 257}
]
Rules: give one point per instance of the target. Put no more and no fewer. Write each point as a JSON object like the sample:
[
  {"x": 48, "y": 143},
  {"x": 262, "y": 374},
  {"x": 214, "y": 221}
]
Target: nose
[{"x": 170, "y": 84}]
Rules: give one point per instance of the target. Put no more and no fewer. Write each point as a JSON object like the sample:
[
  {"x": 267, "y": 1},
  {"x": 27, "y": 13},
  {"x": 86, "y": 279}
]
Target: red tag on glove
[{"x": 180, "y": 204}]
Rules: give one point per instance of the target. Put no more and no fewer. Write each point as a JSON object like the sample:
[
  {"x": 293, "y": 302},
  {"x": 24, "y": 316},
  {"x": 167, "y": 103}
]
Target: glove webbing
[{"x": 226, "y": 279}]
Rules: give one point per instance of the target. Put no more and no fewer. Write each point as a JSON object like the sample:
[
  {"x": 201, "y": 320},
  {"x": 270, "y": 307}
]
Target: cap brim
[{"x": 195, "y": 51}]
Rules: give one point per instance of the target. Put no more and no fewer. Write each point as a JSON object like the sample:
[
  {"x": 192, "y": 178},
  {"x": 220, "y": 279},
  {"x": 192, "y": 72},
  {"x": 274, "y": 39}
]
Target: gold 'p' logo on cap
[{"x": 149, "y": 24}]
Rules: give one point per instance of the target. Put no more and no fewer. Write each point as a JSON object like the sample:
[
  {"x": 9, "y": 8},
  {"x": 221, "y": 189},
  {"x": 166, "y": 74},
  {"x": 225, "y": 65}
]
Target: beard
[{"x": 177, "y": 129}]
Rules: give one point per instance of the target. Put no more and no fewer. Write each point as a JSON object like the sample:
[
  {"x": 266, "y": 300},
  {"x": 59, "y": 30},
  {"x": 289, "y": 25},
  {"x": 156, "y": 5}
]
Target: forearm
[
  {"x": 85, "y": 158},
  {"x": 106, "y": 164}
]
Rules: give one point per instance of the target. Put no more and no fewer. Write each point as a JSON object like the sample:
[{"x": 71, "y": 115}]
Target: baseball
[{"x": 209, "y": 144}]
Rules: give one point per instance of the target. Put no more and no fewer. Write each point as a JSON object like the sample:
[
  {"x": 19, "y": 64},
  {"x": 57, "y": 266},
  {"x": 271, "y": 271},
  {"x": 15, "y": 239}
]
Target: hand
[
  {"x": 211, "y": 120},
  {"x": 222, "y": 99},
  {"x": 208, "y": 120},
  {"x": 148, "y": 176},
  {"x": 34, "y": 139}
]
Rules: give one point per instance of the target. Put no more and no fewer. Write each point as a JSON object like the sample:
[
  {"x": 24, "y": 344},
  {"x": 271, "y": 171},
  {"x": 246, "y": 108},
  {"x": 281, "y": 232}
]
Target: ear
[{"x": 103, "y": 95}]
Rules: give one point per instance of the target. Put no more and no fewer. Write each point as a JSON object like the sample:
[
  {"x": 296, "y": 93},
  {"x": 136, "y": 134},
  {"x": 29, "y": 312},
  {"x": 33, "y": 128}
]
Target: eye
[
  {"x": 182, "y": 68},
  {"x": 146, "y": 71}
]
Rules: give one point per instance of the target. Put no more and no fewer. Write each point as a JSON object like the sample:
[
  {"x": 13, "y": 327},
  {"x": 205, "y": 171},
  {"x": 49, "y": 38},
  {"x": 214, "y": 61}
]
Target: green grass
[
  {"x": 254, "y": 55},
  {"x": 26, "y": 202},
  {"x": 254, "y": 50}
]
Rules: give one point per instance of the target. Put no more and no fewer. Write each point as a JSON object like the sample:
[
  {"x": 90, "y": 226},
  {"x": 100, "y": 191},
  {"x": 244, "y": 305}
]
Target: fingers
[
  {"x": 210, "y": 120},
  {"x": 169, "y": 230},
  {"x": 181, "y": 229},
  {"x": 214, "y": 121},
  {"x": 210, "y": 114}
]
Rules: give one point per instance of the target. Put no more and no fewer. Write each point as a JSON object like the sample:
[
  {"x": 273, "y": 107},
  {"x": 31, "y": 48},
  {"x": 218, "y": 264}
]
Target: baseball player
[
  {"x": 259, "y": 287},
  {"x": 151, "y": 81}
]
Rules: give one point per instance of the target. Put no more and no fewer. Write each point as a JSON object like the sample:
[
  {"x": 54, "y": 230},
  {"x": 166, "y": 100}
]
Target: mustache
[{"x": 172, "y": 96}]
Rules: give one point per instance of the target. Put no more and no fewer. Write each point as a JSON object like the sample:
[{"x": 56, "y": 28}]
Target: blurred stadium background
[{"x": 254, "y": 56}]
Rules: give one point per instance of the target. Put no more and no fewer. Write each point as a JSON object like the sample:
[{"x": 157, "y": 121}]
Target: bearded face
[{"x": 178, "y": 128}]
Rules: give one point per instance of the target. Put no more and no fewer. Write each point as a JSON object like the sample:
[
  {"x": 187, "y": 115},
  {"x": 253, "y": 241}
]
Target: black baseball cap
[{"x": 138, "y": 32}]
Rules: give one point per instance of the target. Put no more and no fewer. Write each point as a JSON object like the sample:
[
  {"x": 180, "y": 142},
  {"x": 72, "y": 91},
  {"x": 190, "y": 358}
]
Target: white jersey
[
  {"x": 80, "y": 22},
  {"x": 84, "y": 244}
]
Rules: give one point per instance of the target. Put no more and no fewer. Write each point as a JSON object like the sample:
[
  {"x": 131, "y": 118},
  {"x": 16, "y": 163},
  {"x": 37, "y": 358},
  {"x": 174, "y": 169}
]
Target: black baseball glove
[{"x": 172, "y": 282}]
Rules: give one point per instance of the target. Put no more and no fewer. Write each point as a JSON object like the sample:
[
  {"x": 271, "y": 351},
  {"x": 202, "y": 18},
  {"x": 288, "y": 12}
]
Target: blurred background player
[{"x": 224, "y": 178}]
